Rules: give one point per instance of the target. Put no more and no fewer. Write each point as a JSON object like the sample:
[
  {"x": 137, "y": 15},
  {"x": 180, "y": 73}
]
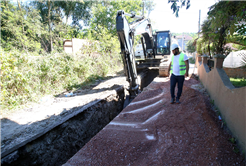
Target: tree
[
  {"x": 149, "y": 6},
  {"x": 67, "y": 6},
  {"x": 5, "y": 4},
  {"x": 78, "y": 10},
  {"x": 20, "y": 27},
  {"x": 229, "y": 12},
  {"x": 207, "y": 37},
  {"x": 237, "y": 39},
  {"x": 50, "y": 15},
  {"x": 176, "y": 5},
  {"x": 226, "y": 22},
  {"x": 190, "y": 47},
  {"x": 104, "y": 14},
  {"x": 103, "y": 21}
]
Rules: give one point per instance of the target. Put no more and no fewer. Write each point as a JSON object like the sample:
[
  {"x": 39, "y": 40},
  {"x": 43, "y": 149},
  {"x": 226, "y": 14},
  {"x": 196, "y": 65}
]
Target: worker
[
  {"x": 163, "y": 41},
  {"x": 179, "y": 67}
]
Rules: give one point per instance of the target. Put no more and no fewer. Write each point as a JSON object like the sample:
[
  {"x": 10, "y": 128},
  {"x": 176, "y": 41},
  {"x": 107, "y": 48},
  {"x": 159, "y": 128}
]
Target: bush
[
  {"x": 26, "y": 77},
  {"x": 238, "y": 82},
  {"x": 191, "y": 60}
]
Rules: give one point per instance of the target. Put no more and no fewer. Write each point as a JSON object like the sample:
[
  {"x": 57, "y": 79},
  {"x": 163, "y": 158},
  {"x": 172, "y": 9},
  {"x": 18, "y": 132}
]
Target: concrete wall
[
  {"x": 74, "y": 45},
  {"x": 231, "y": 101},
  {"x": 68, "y": 46},
  {"x": 78, "y": 44}
]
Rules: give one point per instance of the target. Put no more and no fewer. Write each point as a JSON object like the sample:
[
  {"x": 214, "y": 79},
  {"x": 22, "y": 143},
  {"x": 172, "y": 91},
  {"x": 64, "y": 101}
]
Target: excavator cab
[
  {"x": 156, "y": 49},
  {"x": 162, "y": 40}
]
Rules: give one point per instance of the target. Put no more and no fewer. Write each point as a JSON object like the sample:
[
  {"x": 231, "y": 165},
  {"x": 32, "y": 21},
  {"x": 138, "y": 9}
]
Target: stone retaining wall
[{"x": 236, "y": 72}]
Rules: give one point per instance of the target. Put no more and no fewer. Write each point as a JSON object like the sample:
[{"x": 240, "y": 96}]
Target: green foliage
[
  {"x": 238, "y": 40},
  {"x": 212, "y": 102},
  {"x": 191, "y": 60},
  {"x": 39, "y": 25},
  {"x": 225, "y": 23},
  {"x": 235, "y": 148},
  {"x": 20, "y": 28},
  {"x": 199, "y": 46},
  {"x": 213, "y": 43},
  {"x": 149, "y": 6},
  {"x": 77, "y": 9},
  {"x": 104, "y": 14},
  {"x": 26, "y": 77},
  {"x": 176, "y": 5},
  {"x": 103, "y": 23},
  {"x": 51, "y": 18},
  {"x": 106, "y": 43},
  {"x": 229, "y": 15},
  {"x": 29, "y": 31},
  {"x": 238, "y": 82},
  {"x": 232, "y": 140},
  {"x": 190, "y": 47}
]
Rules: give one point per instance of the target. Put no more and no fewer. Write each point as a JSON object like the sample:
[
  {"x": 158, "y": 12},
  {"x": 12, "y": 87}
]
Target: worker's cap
[{"x": 173, "y": 46}]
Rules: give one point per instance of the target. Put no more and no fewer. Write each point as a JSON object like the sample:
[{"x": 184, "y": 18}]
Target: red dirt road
[{"x": 150, "y": 131}]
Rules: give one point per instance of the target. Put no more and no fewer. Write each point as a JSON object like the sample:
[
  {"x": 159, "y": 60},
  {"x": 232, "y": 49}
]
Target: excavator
[{"x": 155, "y": 45}]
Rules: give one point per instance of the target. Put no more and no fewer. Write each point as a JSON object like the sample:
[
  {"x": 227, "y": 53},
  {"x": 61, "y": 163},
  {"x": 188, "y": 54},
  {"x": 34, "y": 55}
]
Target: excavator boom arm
[{"x": 125, "y": 33}]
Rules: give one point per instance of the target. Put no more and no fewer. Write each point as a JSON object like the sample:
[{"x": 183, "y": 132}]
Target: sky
[{"x": 162, "y": 17}]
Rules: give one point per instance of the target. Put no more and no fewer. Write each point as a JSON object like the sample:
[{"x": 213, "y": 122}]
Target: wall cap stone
[{"x": 205, "y": 56}]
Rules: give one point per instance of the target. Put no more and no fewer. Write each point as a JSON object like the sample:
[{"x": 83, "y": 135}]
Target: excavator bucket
[{"x": 163, "y": 69}]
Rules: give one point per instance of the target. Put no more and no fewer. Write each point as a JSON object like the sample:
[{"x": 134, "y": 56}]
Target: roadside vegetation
[
  {"x": 32, "y": 59},
  {"x": 225, "y": 24},
  {"x": 238, "y": 82},
  {"x": 191, "y": 60},
  {"x": 25, "y": 77},
  {"x": 33, "y": 63}
]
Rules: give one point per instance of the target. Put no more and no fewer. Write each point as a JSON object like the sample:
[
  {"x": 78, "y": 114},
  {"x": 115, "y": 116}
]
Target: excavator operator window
[{"x": 163, "y": 43}]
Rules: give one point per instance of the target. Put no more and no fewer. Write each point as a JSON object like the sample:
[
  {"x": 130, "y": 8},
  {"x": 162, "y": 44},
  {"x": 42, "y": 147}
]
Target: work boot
[
  {"x": 177, "y": 101},
  {"x": 172, "y": 100}
]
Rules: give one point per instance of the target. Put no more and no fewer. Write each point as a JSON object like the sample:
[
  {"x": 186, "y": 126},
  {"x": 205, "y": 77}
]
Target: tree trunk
[
  {"x": 209, "y": 50},
  {"x": 49, "y": 21},
  {"x": 66, "y": 20},
  {"x": 23, "y": 33}
]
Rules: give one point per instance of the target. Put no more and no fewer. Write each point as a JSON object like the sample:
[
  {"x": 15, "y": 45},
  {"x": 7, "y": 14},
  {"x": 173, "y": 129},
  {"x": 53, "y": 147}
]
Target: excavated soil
[
  {"x": 151, "y": 131},
  {"x": 192, "y": 130},
  {"x": 28, "y": 132},
  {"x": 50, "y": 132}
]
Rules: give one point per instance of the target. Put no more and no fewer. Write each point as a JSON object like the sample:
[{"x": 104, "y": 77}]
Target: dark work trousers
[{"x": 173, "y": 81}]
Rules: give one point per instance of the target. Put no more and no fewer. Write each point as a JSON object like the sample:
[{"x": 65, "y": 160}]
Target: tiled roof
[{"x": 186, "y": 37}]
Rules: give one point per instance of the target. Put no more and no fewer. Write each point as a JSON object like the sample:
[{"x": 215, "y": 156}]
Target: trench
[{"x": 57, "y": 144}]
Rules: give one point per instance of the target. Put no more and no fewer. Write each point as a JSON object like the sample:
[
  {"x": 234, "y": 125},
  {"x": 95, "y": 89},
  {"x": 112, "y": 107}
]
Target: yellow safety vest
[{"x": 182, "y": 66}]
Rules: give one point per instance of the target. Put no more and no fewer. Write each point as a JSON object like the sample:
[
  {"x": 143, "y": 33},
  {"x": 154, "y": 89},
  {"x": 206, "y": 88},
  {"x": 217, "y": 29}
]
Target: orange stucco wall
[{"x": 231, "y": 101}]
